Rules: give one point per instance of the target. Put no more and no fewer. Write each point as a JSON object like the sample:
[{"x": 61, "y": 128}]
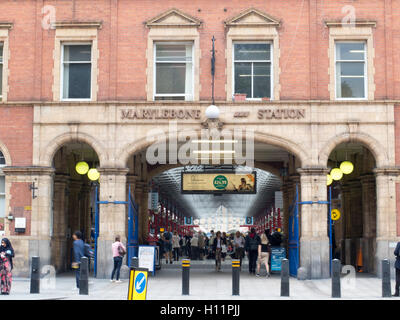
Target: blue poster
[{"x": 277, "y": 254}]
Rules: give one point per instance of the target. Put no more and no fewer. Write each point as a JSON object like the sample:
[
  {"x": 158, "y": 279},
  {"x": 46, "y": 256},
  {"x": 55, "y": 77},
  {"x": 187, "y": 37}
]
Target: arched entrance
[
  {"x": 73, "y": 199},
  {"x": 354, "y": 195}
]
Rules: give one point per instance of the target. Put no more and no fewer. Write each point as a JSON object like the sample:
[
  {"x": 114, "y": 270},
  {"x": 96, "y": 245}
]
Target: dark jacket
[
  {"x": 8, "y": 250},
  {"x": 251, "y": 243},
  {"x": 79, "y": 250},
  {"x": 214, "y": 245},
  {"x": 397, "y": 254}
]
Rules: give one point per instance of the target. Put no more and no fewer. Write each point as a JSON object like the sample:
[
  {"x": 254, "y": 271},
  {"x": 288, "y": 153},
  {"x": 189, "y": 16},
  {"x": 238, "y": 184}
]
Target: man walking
[
  {"x": 79, "y": 252},
  {"x": 397, "y": 266},
  {"x": 251, "y": 247}
]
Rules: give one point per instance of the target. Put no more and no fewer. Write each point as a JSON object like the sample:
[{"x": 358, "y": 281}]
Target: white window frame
[
  {"x": 63, "y": 44},
  {"x": 271, "y": 61},
  {"x": 155, "y": 70},
  {"x": 365, "y": 69}
]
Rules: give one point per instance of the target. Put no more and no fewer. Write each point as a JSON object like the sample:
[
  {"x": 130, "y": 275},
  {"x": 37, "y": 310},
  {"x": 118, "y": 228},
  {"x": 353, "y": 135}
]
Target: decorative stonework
[
  {"x": 252, "y": 25},
  {"x": 4, "y": 30},
  {"x": 173, "y": 18}
]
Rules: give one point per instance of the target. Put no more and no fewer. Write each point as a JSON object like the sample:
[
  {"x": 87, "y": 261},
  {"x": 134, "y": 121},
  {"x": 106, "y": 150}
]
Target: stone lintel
[
  {"x": 6, "y": 25},
  {"x": 113, "y": 171},
  {"x": 77, "y": 24},
  {"x": 357, "y": 23},
  {"x": 387, "y": 171},
  {"x": 28, "y": 171},
  {"x": 313, "y": 171}
]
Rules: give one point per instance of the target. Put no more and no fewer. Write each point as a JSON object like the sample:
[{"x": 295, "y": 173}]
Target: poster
[
  {"x": 218, "y": 182},
  {"x": 277, "y": 254},
  {"x": 147, "y": 257}
]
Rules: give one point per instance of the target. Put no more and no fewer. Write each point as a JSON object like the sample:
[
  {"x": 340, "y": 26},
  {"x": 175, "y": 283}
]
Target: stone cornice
[
  {"x": 6, "y": 25},
  {"x": 157, "y": 21},
  {"x": 388, "y": 171},
  {"x": 77, "y": 24},
  {"x": 357, "y": 23},
  {"x": 28, "y": 171},
  {"x": 113, "y": 171},
  {"x": 310, "y": 171},
  {"x": 266, "y": 20}
]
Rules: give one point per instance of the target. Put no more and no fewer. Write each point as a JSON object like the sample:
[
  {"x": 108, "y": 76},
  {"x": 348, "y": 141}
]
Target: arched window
[{"x": 2, "y": 189}]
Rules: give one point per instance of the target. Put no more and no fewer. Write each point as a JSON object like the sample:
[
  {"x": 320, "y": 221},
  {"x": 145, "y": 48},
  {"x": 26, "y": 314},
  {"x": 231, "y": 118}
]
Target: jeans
[
  {"x": 218, "y": 259},
  {"x": 77, "y": 276},
  {"x": 176, "y": 254},
  {"x": 117, "y": 267},
  {"x": 253, "y": 255}
]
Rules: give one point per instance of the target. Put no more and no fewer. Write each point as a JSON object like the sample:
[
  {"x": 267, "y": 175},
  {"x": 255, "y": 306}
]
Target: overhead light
[
  {"x": 82, "y": 167},
  {"x": 93, "y": 174},
  {"x": 347, "y": 167},
  {"x": 336, "y": 174},
  {"x": 212, "y": 112},
  {"x": 329, "y": 179}
]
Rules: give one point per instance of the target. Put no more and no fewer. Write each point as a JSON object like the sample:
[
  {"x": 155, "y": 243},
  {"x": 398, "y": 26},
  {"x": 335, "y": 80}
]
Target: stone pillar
[
  {"x": 314, "y": 241},
  {"x": 346, "y": 225},
  {"x": 112, "y": 217},
  {"x": 368, "y": 243},
  {"x": 60, "y": 223},
  {"x": 386, "y": 234}
]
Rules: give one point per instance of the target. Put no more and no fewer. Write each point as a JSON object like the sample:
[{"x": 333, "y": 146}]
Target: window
[
  {"x": 76, "y": 71},
  {"x": 174, "y": 75},
  {"x": 2, "y": 187},
  {"x": 351, "y": 82},
  {"x": 252, "y": 69},
  {"x": 1, "y": 69}
]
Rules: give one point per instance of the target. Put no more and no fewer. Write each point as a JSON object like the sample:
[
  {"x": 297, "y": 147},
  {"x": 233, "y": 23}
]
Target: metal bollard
[
  {"x": 386, "y": 289},
  {"x": 285, "y": 278},
  {"x": 235, "y": 277},
  {"x": 185, "y": 276},
  {"x": 84, "y": 276},
  {"x": 35, "y": 275},
  {"x": 336, "y": 290},
  {"x": 134, "y": 262}
]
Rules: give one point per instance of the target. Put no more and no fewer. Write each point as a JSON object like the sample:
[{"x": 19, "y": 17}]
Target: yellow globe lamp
[
  {"x": 93, "y": 174},
  {"x": 329, "y": 180},
  {"x": 82, "y": 167},
  {"x": 336, "y": 174},
  {"x": 346, "y": 167}
]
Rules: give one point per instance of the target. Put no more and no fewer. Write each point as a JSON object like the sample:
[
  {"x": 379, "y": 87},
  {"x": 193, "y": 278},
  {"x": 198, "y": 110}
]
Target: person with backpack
[
  {"x": 78, "y": 253},
  {"x": 168, "y": 245},
  {"x": 251, "y": 247},
  {"x": 118, "y": 251}
]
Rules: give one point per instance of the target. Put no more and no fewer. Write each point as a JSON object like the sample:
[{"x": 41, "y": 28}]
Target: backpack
[
  {"x": 167, "y": 235},
  {"x": 88, "y": 252}
]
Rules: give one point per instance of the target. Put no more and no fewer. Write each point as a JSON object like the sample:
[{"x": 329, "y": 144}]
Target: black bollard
[
  {"x": 386, "y": 289},
  {"x": 35, "y": 275},
  {"x": 285, "y": 278},
  {"x": 336, "y": 266},
  {"x": 235, "y": 277},
  {"x": 185, "y": 276},
  {"x": 134, "y": 262},
  {"x": 84, "y": 276}
]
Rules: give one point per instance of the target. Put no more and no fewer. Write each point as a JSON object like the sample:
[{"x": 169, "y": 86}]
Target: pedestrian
[
  {"x": 79, "y": 252},
  {"x": 264, "y": 250},
  {"x": 118, "y": 251},
  {"x": 187, "y": 244},
  {"x": 194, "y": 244},
  {"x": 6, "y": 265},
  {"x": 168, "y": 245},
  {"x": 211, "y": 242},
  {"x": 175, "y": 245},
  {"x": 238, "y": 246},
  {"x": 397, "y": 266},
  {"x": 217, "y": 249},
  {"x": 201, "y": 245},
  {"x": 224, "y": 246},
  {"x": 251, "y": 248}
]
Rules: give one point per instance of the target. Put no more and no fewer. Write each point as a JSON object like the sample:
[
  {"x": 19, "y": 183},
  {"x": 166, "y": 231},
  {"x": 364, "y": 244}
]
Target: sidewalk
[{"x": 205, "y": 284}]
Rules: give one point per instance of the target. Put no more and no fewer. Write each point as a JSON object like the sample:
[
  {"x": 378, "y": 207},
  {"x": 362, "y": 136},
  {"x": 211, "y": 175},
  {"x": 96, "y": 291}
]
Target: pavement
[{"x": 205, "y": 284}]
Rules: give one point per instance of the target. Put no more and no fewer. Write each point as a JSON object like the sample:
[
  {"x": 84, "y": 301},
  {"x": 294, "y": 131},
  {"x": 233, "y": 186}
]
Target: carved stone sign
[{"x": 154, "y": 114}]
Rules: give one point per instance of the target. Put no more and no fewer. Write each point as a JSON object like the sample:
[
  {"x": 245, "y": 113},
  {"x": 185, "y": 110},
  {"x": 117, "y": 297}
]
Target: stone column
[
  {"x": 346, "y": 225},
  {"x": 112, "y": 216},
  {"x": 368, "y": 243},
  {"x": 314, "y": 241},
  {"x": 60, "y": 222},
  {"x": 386, "y": 235}
]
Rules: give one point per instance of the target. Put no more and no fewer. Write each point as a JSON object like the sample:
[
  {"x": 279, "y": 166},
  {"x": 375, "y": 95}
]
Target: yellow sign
[
  {"x": 335, "y": 214},
  {"x": 200, "y": 182},
  {"x": 137, "y": 284}
]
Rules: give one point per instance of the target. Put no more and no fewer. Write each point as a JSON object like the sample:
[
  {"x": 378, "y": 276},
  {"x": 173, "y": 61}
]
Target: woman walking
[
  {"x": 175, "y": 245},
  {"x": 264, "y": 250},
  {"x": 6, "y": 265},
  {"x": 218, "y": 244},
  {"x": 118, "y": 251}
]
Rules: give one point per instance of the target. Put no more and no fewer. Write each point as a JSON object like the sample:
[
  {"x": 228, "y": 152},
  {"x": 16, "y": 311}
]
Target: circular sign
[
  {"x": 220, "y": 182},
  {"x": 335, "y": 214},
  {"x": 140, "y": 282}
]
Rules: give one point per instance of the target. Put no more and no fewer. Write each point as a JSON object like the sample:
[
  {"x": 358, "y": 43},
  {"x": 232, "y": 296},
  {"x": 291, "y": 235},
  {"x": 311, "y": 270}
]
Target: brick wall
[
  {"x": 20, "y": 204},
  {"x": 123, "y": 39}
]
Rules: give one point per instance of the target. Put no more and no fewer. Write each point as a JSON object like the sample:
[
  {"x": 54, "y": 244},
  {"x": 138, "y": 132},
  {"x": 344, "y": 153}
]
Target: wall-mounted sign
[
  {"x": 279, "y": 199},
  {"x": 20, "y": 225},
  {"x": 153, "y": 201},
  {"x": 159, "y": 114},
  {"x": 218, "y": 182}
]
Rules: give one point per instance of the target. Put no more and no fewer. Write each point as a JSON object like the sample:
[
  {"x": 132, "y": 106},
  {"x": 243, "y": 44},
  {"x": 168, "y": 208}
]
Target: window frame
[
  {"x": 338, "y": 41},
  {"x": 271, "y": 61},
  {"x": 70, "y": 43},
  {"x": 3, "y": 175},
  {"x": 155, "y": 95},
  {"x": 2, "y": 70}
]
